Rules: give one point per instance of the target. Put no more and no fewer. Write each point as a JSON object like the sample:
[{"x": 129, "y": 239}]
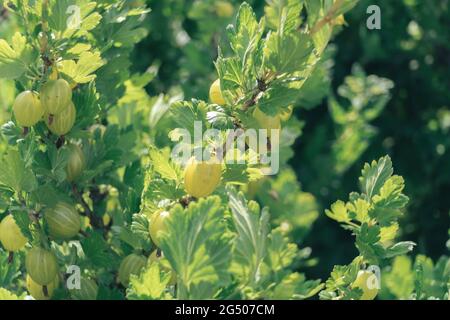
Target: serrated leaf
[
  {"x": 390, "y": 195},
  {"x": 185, "y": 114},
  {"x": 283, "y": 14},
  {"x": 14, "y": 174},
  {"x": 277, "y": 98},
  {"x": 280, "y": 253},
  {"x": 127, "y": 236},
  {"x": 162, "y": 165},
  {"x": 359, "y": 210},
  {"x": 400, "y": 279},
  {"x": 9, "y": 272},
  {"x": 150, "y": 285},
  {"x": 97, "y": 250},
  {"x": 11, "y": 132},
  {"x": 70, "y": 17},
  {"x": 8, "y": 295},
  {"x": 81, "y": 71},
  {"x": 286, "y": 54},
  {"x": 399, "y": 249},
  {"x": 23, "y": 221},
  {"x": 375, "y": 175},
  {"x": 139, "y": 226},
  {"x": 295, "y": 286},
  {"x": 388, "y": 233},
  {"x": 246, "y": 35},
  {"x": 252, "y": 228},
  {"x": 197, "y": 247},
  {"x": 338, "y": 212},
  {"x": 14, "y": 60}
]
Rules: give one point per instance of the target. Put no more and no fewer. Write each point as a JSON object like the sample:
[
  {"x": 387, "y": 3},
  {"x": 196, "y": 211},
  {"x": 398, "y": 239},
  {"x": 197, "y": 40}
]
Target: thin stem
[
  {"x": 328, "y": 18},
  {"x": 34, "y": 217},
  {"x": 10, "y": 257},
  {"x": 96, "y": 221}
]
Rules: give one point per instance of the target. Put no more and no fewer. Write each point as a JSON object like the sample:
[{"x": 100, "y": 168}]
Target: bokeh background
[{"x": 385, "y": 92}]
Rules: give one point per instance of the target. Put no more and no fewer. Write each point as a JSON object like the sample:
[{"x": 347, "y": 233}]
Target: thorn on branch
[
  {"x": 262, "y": 85},
  {"x": 45, "y": 291},
  {"x": 96, "y": 221},
  {"x": 186, "y": 200},
  {"x": 84, "y": 234},
  {"x": 60, "y": 142},
  {"x": 10, "y": 257}
]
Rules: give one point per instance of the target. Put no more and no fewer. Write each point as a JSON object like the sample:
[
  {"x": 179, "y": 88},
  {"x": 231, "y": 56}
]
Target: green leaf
[
  {"x": 277, "y": 98},
  {"x": 280, "y": 253},
  {"x": 197, "y": 247},
  {"x": 58, "y": 161},
  {"x": 375, "y": 175},
  {"x": 399, "y": 248},
  {"x": 245, "y": 36},
  {"x": 289, "y": 205},
  {"x": 388, "y": 203},
  {"x": 8, "y": 295},
  {"x": 295, "y": 286},
  {"x": 359, "y": 210},
  {"x": 150, "y": 285},
  {"x": 390, "y": 195},
  {"x": 338, "y": 212},
  {"x": 97, "y": 250},
  {"x": 286, "y": 54},
  {"x": 11, "y": 132},
  {"x": 14, "y": 174},
  {"x": 82, "y": 70},
  {"x": 367, "y": 242},
  {"x": 70, "y": 17},
  {"x": 9, "y": 272},
  {"x": 162, "y": 165},
  {"x": 400, "y": 279},
  {"x": 23, "y": 221},
  {"x": 284, "y": 14},
  {"x": 318, "y": 83},
  {"x": 127, "y": 236},
  {"x": 128, "y": 34},
  {"x": 252, "y": 228},
  {"x": 185, "y": 114},
  {"x": 388, "y": 234},
  {"x": 14, "y": 60},
  {"x": 139, "y": 226}
]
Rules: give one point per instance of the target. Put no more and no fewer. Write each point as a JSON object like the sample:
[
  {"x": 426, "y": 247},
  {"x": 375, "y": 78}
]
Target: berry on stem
[
  {"x": 132, "y": 264},
  {"x": 267, "y": 122},
  {"x": 28, "y": 109},
  {"x": 367, "y": 282},
  {"x": 63, "y": 122},
  {"x": 201, "y": 178},
  {"x": 56, "y": 96},
  {"x": 76, "y": 162},
  {"x": 157, "y": 225},
  {"x": 215, "y": 93},
  {"x": 63, "y": 220},
  {"x": 38, "y": 292},
  {"x": 41, "y": 265},
  {"x": 11, "y": 237}
]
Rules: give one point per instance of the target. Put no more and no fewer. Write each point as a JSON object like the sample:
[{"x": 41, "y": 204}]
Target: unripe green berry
[
  {"x": 56, "y": 96},
  {"x": 28, "y": 109},
  {"x": 41, "y": 265}
]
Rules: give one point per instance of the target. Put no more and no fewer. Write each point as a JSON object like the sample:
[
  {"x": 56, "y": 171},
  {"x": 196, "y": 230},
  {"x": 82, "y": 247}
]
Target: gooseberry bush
[{"x": 94, "y": 205}]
